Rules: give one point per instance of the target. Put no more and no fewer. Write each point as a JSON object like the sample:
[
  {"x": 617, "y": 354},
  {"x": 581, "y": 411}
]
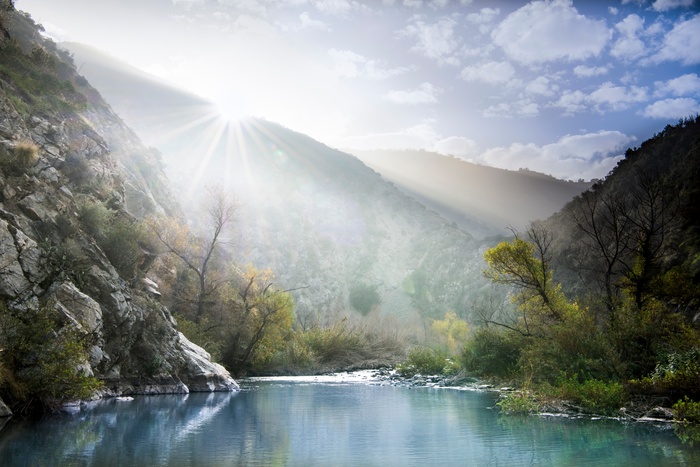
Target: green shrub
[
  {"x": 364, "y": 298},
  {"x": 45, "y": 359},
  {"x": 95, "y": 218},
  {"x": 687, "y": 411},
  {"x": 677, "y": 374},
  {"x": 492, "y": 352},
  {"x": 121, "y": 244},
  {"x": 120, "y": 239},
  {"x": 65, "y": 261},
  {"x": 518, "y": 402},
  {"x": 426, "y": 361},
  {"x": 596, "y": 396}
]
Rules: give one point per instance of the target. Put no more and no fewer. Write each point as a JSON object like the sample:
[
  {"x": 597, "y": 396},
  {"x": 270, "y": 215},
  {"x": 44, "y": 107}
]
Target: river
[{"x": 337, "y": 421}]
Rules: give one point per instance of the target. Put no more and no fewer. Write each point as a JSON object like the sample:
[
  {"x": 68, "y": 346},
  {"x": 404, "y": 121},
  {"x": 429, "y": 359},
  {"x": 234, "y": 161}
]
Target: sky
[{"x": 558, "y": 86}]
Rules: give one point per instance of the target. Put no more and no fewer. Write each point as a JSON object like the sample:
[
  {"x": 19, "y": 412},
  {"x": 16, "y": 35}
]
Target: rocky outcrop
[{"x": 85, "y": 155}]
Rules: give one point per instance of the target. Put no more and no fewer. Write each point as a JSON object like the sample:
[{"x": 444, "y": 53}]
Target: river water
[{"x": 330, "y": 422}]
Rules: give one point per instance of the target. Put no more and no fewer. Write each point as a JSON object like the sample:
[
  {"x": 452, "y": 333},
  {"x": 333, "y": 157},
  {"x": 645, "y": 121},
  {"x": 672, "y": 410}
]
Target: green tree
[{"x": 525, "y": 265}]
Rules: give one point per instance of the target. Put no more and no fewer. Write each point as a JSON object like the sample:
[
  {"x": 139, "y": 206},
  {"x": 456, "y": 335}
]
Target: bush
[
  {"x": 95, "y": 218},
  {"x": 593, "y": 395},
  {"x": 426, "y": 361},
  {"x": 686, "y": 410},
  {"x": 26, "y": 153},
  {"x": 676, "y": 375},
  {"x": 364, "y": 298},
  {"x": 120, "y": 239},
  {"x": 66, "y": 261},
  {"x": 337, "y": 345},
  {"x": 46, "y": 361},
  {"x": 122, "y": 245},
  {"x": 492, "y": 352},
  {"x": 518, "y": 402}
]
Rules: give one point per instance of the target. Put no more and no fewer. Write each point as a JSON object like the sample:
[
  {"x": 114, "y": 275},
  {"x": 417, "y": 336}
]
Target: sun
[{"x": 232, "y": 107}]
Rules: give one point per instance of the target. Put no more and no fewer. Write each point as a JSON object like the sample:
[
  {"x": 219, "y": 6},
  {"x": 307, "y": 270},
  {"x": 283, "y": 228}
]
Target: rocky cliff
[{"x": 64, "y": 155}]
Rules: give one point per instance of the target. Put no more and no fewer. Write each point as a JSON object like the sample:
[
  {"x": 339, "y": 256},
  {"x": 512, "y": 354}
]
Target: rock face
[{"x": 86, "y": 156}]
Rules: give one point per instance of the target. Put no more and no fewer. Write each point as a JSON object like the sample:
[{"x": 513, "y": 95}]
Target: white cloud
[
  {"x": 521, "y": 108},
  {"x": 348, "y": 64},
  {"x": 672, "y": 108},
  {"x": 682, "y": 43},
  {"x": 456, "y": 146},
  {"x": 490, "y": 72},
  {"x": 485, "y": 15},
  {"x": 436, "y": 41},
  {"x": 571, "y": 102},
  {"x": 425, "y": 94},
  {"x": 420, "y": 136},
  {"x": 588, "y": 71},
  {"x": 484, "y": 18},
  {"x": 334, "y": 7},
  {"x": 606, "y": 97},
  {"x": 629, "y": 46},
  {"x": 616, "y": 97},
  {"x": 612, "y": 10},
  {"x": 308, "y": 23},
  {"x": 688, "y": 84},
  {"x": 543, "y": 31},
  {"x": 665, "y": 5},
  {"x": 438, "y": 4},
  {"x": 572, "y": 157},
  {"x": 541, "y": 86}
]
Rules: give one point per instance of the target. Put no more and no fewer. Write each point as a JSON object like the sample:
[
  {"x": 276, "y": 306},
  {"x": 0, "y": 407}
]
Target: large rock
[
  {"x": 77, "y": 306},
  {"x": 203, "y": 375}
]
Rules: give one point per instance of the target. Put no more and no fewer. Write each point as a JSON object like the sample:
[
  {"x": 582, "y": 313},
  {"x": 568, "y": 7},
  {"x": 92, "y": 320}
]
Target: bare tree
[
  {"x": 602, "y": 220},
  {"x": 654, "y": 219},
  {"x": 198, "y": 253}
]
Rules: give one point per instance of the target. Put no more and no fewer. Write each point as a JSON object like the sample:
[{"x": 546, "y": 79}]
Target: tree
[
  {"x": 198, "y": 253},
  {"x": 653, "y": 218},
  {"x": 451, "y": 329},
  {"x": 525, "y": 265},
  {"x": 260, "y": 316},
  {"x": 602, "y": 220}
]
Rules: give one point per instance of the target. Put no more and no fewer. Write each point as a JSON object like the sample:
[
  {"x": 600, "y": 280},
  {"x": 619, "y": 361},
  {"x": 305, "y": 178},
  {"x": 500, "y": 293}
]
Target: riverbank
[{"x": 640, "y": 410}]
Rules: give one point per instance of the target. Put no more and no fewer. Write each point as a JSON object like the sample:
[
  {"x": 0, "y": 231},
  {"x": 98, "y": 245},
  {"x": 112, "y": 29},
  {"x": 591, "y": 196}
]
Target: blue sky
[{"x": 558, "y": 86}]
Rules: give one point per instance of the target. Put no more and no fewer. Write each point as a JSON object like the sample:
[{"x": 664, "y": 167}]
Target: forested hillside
[{"x": 607, "y": 291}]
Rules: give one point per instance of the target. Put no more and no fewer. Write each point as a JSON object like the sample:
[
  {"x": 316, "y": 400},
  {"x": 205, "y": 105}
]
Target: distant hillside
[
  {"x": 316, "y": 216},
  {"x": 481, "y": 199},
  {"x": 320, "y": 218}
]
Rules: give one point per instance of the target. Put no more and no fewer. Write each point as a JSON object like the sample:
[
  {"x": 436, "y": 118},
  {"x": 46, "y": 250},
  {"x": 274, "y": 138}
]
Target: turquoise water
[{"x": 303, "y": 424}]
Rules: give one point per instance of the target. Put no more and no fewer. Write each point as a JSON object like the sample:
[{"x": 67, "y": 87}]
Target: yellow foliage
[{"x": 452, "y": 330}]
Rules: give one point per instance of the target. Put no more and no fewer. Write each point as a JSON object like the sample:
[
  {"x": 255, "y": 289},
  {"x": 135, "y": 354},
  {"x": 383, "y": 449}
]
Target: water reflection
[{"x": 324, "y": 424}]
